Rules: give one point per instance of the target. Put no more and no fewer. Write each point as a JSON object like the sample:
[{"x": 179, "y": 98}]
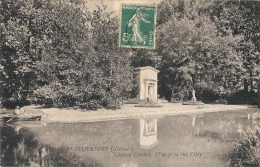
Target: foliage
[
  {"x": 18, "y": 48},
  {"x": 144, "y": 57},
  {"x": 65, "y": 54},
  {"x": 69, "y": 56},
  {"x": 243, "y": 97},
  {"x": 194, "y": 55},
  {"x": 241, "y": 18},
  {"x": 20, "y": 147},
  {"x": 112, "y": 77},
  {"x": 39, "y": 39},
  {"x": 246, "y": 153},
  {"x": 11, "y": 104},
  {"x": 148, "y": 103}
]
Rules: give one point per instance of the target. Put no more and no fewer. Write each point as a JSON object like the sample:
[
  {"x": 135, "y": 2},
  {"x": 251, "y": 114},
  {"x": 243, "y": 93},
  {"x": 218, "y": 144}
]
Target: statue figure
[
  {"x": 134, "y": 22},
  {"x": 193, "y": 95}
]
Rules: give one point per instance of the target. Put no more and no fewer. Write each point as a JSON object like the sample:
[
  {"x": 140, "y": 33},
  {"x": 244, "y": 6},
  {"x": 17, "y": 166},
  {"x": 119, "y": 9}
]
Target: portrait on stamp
[{"x": 137, "y": 28}]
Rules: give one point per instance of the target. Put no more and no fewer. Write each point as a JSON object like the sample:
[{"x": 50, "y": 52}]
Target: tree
[
  {"x": 18, "y": 54},
  {"x": 112, "y": 76},
  {"x": 67, "y": 56},
  {"x": 42, "y": 42},
  {"x": 242, "y": 18},
  {"x": 144, "y": 57},
  {"x": 194, "y": 55},
  {"x": 64, "y": 53}
]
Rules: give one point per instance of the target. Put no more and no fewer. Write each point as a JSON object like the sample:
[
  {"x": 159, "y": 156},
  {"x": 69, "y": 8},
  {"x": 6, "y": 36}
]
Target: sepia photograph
[{"x": 130, "y": 83}]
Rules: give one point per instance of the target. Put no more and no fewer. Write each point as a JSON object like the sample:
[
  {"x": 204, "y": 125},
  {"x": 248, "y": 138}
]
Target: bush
[
  {"x": 148, "y": 103},
  {"x": 11, "y": 104},
  {"x": 243, "y": 97},
  {"x": 131, "y": 101},
  {"x": 65, "y": 101},
  {"x": 208, "y": 96},
  {"x": 240, "y": 97},
  {"x": 41, "y": 100},
  {"x": 247, "y": 151},
  {"x": 91, "y": 105}
]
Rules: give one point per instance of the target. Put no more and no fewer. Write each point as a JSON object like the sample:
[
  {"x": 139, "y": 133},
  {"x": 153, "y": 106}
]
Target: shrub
[
  {"x": 247, "y": 151},
  {"x": 11, "y": 104},
  {"x": 90, "y": 100},
  {"x": 91, "y": 105},
  {"x": 208, "y": 96},
  {"x": 66, "y": 100},
  {"x": 131, "y": 101},
  {"x": 243, "y": 97},
  {"x": 148, "y": 103}
]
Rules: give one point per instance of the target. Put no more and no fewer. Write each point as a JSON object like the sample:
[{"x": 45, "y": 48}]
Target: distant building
[{"x": 147, "y": 81}]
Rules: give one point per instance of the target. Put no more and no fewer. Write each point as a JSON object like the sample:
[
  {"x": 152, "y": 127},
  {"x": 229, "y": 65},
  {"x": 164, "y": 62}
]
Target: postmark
[{"x": 137, "y": 26}]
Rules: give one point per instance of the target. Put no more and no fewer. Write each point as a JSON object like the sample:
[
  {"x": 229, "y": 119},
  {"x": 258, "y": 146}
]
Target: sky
[{"x": 114, "y": 5}]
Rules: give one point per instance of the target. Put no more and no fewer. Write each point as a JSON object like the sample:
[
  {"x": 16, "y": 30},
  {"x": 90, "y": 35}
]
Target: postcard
[{"x": 130, "y": 83}]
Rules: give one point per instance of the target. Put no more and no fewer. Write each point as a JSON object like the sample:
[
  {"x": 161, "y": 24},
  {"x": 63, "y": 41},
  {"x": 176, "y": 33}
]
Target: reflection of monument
[
  {"x": 148, "y": 132},
  {"x": 147, "y": 80}
]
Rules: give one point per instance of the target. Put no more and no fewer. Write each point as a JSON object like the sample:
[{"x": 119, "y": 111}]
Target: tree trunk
[
  {"x": 246, "y": 84},
  {"x": 258, "y": 94},
  {"x": 251, "y": 81}
]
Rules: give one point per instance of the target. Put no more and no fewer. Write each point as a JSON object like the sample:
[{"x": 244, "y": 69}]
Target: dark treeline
[{"x": 62, "y": 53}]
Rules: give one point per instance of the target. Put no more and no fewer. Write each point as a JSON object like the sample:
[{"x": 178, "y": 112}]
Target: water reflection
[
  {"x": 25, "y": 124},
  {"x": 239, "y": 129},
  {"x": 254, "y": 118},
  {"x": 19, "y": 147},
  {"x": 186, "y": 140},
  {"x": 130, "y": 164},
  {"x": 148, "y": 133}
]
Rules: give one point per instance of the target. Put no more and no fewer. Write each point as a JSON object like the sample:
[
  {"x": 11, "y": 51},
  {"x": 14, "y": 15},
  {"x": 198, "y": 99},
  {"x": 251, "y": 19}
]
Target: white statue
[{"x": 193, "y": 95}]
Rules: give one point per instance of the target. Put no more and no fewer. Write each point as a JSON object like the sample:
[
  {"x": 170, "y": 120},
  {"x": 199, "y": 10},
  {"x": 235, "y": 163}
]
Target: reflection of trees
[{"x": 22, "y": 148}]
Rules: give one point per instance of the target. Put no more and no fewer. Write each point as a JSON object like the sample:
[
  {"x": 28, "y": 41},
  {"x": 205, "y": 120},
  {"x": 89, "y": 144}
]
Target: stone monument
[{"x": 147, "y": 80}]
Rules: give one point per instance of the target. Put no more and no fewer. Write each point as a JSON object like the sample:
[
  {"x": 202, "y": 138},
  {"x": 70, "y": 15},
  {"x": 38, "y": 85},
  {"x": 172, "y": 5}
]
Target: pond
[{"x": 184, "y": 140}]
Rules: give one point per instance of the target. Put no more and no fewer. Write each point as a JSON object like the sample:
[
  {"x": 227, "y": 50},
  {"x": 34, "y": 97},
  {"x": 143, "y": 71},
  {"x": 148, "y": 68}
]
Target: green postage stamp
[{"x": 137, "y": 29}]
